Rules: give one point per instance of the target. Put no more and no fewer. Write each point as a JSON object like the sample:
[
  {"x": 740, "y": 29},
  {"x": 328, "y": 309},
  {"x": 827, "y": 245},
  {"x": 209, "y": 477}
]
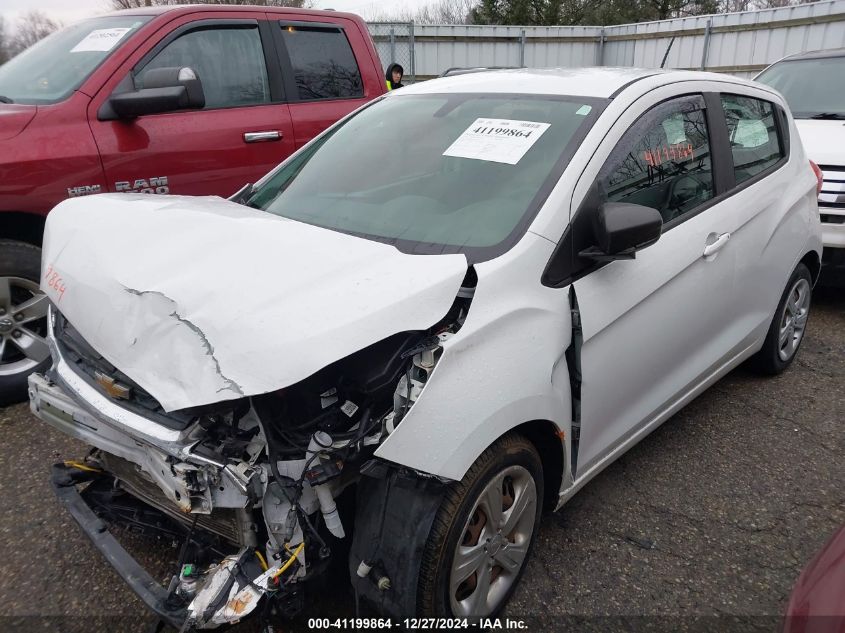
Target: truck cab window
[
  {"x": 229, "y": 61},
  {"x": 324, "y": 66}
]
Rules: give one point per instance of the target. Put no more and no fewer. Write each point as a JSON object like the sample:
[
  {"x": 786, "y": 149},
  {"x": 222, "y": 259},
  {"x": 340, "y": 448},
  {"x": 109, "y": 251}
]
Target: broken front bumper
[
  {"x": 66, "y": 401},
  {"x": 155, "y": 596}
]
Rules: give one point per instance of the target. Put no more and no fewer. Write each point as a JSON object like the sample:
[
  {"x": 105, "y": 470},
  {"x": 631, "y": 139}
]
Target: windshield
[
  {"x": 812, "y": 87},
  {"x": 433, "y": 173},
  {"x": 52, "y": 69}
]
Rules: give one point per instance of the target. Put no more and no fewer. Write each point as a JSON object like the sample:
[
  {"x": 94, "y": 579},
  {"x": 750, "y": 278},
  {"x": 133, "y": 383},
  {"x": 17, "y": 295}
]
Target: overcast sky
[{"x": 77, "y": 9}]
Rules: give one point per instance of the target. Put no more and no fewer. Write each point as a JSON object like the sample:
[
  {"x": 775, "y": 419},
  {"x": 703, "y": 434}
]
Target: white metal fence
[{"x": 736, "y": 43}]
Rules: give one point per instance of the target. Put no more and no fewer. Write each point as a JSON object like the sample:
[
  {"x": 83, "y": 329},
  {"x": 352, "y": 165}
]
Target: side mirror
[
  {"x": 165, "y": 90},
  {"x": 621, "y": 229}
]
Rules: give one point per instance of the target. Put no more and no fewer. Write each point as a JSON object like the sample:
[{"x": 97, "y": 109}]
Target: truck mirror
[{"x": 164, "y": 90}]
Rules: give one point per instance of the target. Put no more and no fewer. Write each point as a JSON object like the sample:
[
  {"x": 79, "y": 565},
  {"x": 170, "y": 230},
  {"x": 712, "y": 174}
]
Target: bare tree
[
  {"x": 117, "y": 5},
  {"x": 446, "y": 12},
  {"x": 439, "y": 12},
  {"x": 134, "y": 4},
  {"x": 32, "y": 26}
]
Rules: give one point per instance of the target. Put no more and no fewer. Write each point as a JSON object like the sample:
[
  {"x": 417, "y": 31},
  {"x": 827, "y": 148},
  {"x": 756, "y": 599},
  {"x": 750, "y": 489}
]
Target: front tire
[
  {"x": 788, "y": 326},
  {"x": 483, "y": 532},
  {"x": 23, "y": 319}
]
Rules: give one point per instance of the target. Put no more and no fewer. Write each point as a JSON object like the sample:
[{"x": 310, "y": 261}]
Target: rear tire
[
  {"x": 23, "y": 319},
  {"x": 471, "y": 537},
  {"x": 788, "y": 326}
]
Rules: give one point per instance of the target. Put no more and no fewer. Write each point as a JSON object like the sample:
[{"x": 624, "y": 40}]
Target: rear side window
[
  {"x": 228, "y": 60},
  {"x": 324, "y": 66},
  {"x": 663, "y": 161},
  {"x": 753, "y": 133}
]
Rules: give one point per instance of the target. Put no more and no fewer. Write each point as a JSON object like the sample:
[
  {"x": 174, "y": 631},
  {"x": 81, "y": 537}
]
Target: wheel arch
[
  {"x": 550, "y": 443},
  {"x": 22, "y": 227},
  {"x": 811, "y": 260}
]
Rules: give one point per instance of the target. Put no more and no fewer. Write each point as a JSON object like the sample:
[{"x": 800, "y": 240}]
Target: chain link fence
[{"x": 395, "y": 45}]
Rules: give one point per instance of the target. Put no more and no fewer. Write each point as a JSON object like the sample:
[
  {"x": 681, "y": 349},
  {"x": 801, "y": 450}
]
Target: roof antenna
[{"x": 666, "y": 54}]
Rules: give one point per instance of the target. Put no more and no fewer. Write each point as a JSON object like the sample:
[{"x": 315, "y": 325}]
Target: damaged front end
[{"x": 250, "y": 484}]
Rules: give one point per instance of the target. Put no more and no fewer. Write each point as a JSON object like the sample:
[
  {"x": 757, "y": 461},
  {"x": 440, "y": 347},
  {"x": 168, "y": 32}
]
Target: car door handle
[
  {"x": 716, "y": 245},
  {"x": 262, "y": 137}
]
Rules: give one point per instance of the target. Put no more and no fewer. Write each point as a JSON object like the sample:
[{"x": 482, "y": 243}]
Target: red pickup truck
[{"x": 182, "y": 100}]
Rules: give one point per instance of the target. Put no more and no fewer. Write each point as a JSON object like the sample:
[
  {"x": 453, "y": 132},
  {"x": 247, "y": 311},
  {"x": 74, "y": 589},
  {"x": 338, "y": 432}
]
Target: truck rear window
[
  {"x": 324, "y": 66},
  {"x": 52, "y": 69}
]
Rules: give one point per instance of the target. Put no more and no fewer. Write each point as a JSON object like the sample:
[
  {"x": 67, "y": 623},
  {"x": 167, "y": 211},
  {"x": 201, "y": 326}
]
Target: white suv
[
  {"x": 812, "y": 84},
  {"x": 463, "y": 301}
]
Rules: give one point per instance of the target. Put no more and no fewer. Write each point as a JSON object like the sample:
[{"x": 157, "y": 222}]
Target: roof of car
[
  {"x": 831, "y": 52},
  {"x": 602, "y": 82},
  {"x": 192, "y": 8}
]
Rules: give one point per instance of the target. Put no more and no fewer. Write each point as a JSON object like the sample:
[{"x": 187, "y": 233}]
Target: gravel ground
[{"x": 714, "y": 514}]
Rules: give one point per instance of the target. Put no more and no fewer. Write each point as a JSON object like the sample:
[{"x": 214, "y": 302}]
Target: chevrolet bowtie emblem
[{"x": 116, "y": 390}]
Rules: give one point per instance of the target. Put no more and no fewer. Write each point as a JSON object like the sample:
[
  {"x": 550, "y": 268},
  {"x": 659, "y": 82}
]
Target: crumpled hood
[
  {"x": 824, "y": 141},
  {"x": 14, "y": 118},
  {"x": 201, "y": 300}
]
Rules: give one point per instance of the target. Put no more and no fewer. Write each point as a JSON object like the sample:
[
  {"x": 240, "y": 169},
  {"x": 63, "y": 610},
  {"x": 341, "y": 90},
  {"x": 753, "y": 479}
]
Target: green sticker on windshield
[{"x": 584, "y": 110}]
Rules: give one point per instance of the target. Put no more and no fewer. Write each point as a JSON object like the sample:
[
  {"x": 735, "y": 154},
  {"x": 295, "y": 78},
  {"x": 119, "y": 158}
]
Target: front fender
[{"x": 503, "y": 368}]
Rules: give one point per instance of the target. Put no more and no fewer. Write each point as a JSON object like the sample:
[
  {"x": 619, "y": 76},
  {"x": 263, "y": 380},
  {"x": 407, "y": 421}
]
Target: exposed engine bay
[{"x": 253, "y": 482}]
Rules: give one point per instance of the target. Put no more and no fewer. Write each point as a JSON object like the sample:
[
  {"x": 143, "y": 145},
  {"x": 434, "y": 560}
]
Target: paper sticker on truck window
[
  {"x": 100, "y": 40},
  {"x": 497, "y": 140}
]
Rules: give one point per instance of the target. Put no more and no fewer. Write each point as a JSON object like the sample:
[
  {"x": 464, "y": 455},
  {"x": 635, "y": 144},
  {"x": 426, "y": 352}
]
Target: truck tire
[
  {"x": 483, "y": 532},
  {"x": 23, "y": 319}
]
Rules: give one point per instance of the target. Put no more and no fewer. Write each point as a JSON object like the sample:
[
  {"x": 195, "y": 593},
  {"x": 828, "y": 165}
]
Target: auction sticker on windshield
[
  {"x": 100, "y": 40},
  {"x": 497, "y": 140}
]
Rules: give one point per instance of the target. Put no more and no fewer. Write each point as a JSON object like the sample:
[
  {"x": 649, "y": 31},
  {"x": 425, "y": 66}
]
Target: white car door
[
  {"x": 653, "y": 327},
  {"x": 769, "y": 206}
]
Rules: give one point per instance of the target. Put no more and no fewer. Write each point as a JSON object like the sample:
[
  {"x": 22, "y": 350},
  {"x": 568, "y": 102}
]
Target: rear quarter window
[
  {"x": 323, "y": 63},
  {"x": 754, "y": 135}
]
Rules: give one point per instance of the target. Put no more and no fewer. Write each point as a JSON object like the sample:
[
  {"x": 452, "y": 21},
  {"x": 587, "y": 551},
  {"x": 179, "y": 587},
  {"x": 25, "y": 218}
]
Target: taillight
[{"x": 819, "y": 177}]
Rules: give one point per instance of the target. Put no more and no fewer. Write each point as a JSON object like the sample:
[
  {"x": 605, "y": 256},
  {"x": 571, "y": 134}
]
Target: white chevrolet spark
[{"x": 449, "y": 311}]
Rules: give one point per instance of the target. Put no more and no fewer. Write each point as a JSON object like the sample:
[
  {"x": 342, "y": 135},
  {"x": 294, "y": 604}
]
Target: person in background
[{"x": 394, "y": 76}]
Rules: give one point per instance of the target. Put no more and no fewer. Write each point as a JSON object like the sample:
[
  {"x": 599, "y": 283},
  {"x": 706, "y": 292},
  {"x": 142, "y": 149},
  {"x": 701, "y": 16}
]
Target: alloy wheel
[
  {"x": 793, "y": 321},
  {"x": 23, "y": 326},
  {"x": 494, "y": 543}
]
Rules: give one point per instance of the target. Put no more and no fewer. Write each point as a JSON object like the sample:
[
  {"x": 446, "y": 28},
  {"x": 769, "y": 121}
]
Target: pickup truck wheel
[
  {"x": 482, "y": 534},
  {"x": 23, "y": 319},
  {"x": 788, "y": 325}
]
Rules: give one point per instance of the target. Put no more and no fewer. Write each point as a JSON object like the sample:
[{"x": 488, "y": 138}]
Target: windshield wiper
[
  {"x": 5, "y": 99},
  {"x": 828, "y": 115}
]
